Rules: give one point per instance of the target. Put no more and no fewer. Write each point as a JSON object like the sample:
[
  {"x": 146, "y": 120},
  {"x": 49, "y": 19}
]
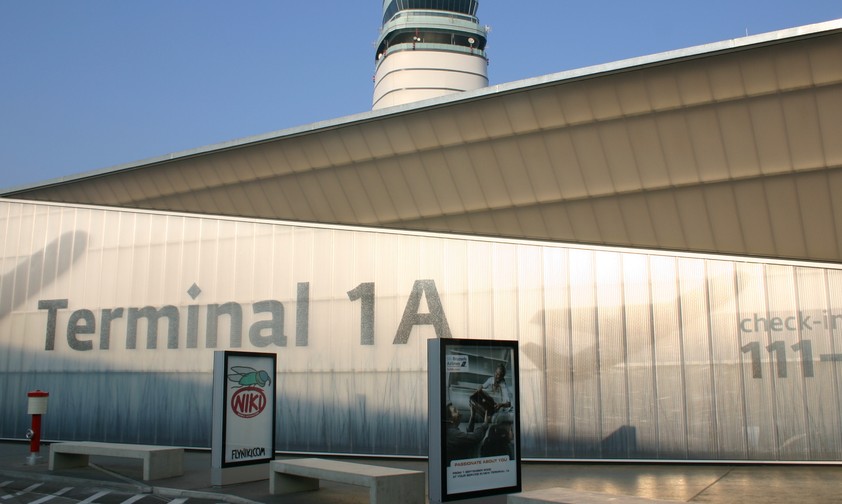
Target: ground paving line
[
  {"x": 178, "y": 501},
  {"x": 53, "y": 496},
  {"x": 133, "y": 498},
  {"x": 94, "y": 497},
  {"x": 25, "y": 490}
]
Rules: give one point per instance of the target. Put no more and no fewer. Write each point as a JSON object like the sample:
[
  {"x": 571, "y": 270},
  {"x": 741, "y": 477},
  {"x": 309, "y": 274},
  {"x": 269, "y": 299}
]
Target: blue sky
[{"x": 91, "y": 84}]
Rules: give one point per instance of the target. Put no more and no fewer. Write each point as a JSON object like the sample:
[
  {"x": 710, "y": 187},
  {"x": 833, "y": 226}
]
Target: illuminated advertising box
[
  {"x": 243, "y": 416},
  {"x": 474, "y": 419}
]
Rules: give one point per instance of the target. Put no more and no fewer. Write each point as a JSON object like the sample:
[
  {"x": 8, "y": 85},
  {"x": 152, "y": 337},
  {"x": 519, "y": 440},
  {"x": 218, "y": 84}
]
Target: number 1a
[{"x": 364, "y": 293}]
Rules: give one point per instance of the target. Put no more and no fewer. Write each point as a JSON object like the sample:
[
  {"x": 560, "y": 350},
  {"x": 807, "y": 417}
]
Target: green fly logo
[{"x": 249, "y": 400}]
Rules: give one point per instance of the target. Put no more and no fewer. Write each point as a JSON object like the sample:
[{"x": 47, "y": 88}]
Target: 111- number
[{"x": 778, "y": 350}]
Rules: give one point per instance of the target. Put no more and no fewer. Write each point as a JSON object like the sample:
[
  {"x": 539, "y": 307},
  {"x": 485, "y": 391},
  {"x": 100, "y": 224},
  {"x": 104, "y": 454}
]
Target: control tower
[{"x": 428, "y": 48}]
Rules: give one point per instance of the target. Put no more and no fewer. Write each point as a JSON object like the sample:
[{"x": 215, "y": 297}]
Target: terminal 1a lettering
[{"x": 261, "y": 334}]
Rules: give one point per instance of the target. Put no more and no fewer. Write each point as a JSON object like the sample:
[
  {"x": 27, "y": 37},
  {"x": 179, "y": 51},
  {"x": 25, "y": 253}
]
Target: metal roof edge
[
  {"x": 778, "y": 36},
  {"x": 675, "y": 55}
]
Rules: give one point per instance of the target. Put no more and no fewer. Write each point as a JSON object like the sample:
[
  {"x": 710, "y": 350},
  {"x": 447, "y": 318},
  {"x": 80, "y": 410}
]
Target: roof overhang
[{"x": 729, "y": 148}]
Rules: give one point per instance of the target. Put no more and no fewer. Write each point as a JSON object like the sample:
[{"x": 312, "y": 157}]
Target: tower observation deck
[{"x": 428, "y": 48}]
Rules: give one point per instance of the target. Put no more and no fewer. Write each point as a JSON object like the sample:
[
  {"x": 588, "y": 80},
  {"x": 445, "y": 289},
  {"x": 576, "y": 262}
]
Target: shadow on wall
[
  {"x": 176, "y": 409},
  {"x": 40, "y": 269},
  {"x": 316, "y": 412}
]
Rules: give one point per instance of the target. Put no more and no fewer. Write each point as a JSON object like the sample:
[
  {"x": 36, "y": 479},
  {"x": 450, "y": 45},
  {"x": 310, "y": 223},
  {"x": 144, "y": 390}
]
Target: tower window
[{"x": 468, "y": 7}]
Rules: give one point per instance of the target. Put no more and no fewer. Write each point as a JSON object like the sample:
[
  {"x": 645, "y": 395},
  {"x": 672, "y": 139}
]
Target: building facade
[
  {"x": 659, "y": 235},
  {"x": 625, "y": 354}
]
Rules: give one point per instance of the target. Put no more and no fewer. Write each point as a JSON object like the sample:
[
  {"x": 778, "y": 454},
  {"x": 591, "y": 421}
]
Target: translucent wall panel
[{"x": 624, "y": 355}]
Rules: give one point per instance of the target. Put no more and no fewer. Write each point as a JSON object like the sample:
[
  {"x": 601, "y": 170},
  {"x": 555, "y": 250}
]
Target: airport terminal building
[{"x": 659, "y": 235}]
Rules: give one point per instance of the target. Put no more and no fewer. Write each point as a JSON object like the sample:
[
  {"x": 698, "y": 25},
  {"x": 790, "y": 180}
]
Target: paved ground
[{"x": 709, "y": 483}]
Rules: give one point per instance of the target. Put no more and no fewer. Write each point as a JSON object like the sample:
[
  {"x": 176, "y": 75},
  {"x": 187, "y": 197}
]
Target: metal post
[{"x": 36, "y": 407}]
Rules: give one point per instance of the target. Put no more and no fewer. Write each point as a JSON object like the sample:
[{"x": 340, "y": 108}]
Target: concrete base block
[
  {"x": 286, "y": 483},
  {"x": 386, "y": 484},
  {"x": 239, "y": 474},
  {"x": 158, "y": 461}
]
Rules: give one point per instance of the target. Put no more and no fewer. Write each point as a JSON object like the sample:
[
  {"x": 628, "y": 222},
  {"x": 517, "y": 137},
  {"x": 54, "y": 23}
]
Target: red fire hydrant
[{"x": 36, "y": 407}]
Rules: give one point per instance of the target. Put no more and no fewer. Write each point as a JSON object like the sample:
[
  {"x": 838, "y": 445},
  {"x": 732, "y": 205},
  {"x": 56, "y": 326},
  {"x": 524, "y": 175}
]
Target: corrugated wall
[{"x": 623, "y": 355}]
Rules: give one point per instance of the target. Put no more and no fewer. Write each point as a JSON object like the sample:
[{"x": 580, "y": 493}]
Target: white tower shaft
[{"x": 428, "y": 48}]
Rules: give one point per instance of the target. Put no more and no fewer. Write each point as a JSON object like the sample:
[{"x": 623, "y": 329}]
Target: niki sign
[
  {"x": 249, "y": 400},
  {"x": 243, "y": 409}
]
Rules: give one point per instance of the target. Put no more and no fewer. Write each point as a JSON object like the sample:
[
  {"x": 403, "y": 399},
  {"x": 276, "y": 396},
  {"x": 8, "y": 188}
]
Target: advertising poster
[
  {"x": 244, "y": 408},
  {"x": 474, "y": 419}
]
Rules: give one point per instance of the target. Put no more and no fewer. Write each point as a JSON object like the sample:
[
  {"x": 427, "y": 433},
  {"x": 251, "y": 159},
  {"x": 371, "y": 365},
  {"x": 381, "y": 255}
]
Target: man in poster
[
  {"x": 460, "y": 444},
  {"x": 492, "y": 397}
]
